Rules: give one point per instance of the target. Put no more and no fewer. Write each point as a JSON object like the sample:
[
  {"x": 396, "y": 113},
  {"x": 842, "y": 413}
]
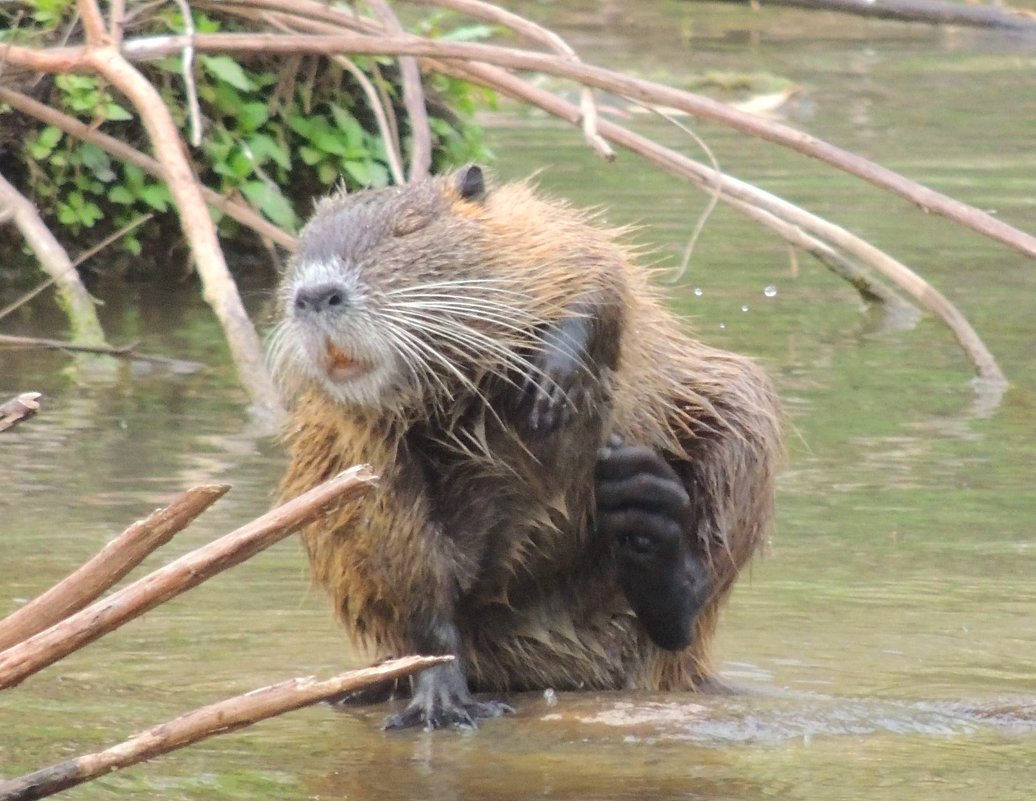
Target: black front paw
[
  {"x": 643, "y": 505},
  {"x": 558, "y": 378},
  {"x": 441, "y": 700}
]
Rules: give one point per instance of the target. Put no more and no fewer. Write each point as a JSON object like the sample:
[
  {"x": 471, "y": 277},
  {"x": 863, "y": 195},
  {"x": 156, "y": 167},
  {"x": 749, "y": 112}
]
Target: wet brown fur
[{"x": 498, "y": 531}]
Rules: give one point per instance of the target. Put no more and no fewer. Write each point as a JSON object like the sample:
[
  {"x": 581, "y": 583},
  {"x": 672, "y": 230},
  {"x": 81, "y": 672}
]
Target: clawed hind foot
[{"x": 442, "y": 700}]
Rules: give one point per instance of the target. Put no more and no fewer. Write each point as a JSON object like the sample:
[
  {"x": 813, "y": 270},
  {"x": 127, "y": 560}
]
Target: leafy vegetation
[{"x": 275, "y": 132}]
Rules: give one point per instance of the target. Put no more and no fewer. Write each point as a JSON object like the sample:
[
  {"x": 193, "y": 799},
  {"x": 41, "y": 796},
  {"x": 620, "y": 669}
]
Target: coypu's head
[{"x": 389, "y": 302}]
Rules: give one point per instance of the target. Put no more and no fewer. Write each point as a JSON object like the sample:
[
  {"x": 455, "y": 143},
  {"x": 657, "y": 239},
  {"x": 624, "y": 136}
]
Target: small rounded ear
[{"x": 471, "y": 183}]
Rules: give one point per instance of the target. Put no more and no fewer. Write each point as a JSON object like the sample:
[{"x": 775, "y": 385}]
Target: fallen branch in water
[
  {"x": 43, "y": 649},
  {"x": 219, "y": 718},
  {"x": 19, "y": 409},
  {"x": 932, "y": 12},
  {"x": 125, "y": 351},
  {"x": 112, "y": 562}
]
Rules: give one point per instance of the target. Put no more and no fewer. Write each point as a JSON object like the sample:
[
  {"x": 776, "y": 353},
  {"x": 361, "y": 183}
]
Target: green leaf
[
  {"x": 132, "y": 244},
  {"x": 327, "y": 173},
  {"x": 156, "y": 196},
  {"x": 271, "y": 202},
  {"x": 120, "y": 195},
  {"x": 98, "y": 162},
  {"x": 266, "y": 148},
  {"x": 226, "y": 69},
  {"x": 468, "y": 33},
  {"x": 331, "y": 142},
  {"x": 46, "y": 142},
  {"x": 252, "y": 115},
  {"x": 301, "y": 125},
  {"x": 310, "y": 156},
  {"x": 379, "y": 174},
  {"x": 67, "y": 215},
  {"x": 240, "y": 164},
  {"x": 116, "y": 113},
  {"x": 358, "y": 171},
  {"x": 90, "y": 213}
]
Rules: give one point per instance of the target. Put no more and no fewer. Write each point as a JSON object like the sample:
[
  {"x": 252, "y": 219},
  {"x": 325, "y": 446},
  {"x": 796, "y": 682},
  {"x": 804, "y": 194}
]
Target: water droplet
[
  {"x": 722, "y": 325},
  {"x": 698, "y": 291},
  {"x": 745, "y": 307},
  {"x": 770, "y": 291}
]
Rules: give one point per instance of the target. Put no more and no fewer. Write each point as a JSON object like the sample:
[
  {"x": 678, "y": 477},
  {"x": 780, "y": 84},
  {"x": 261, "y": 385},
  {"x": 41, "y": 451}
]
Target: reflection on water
[{"x": 888, "y": 637}]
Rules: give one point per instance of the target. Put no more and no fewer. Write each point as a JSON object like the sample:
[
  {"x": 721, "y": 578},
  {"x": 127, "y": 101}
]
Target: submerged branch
[
  {"x": 125, "y": 352},
  {"x": 219, "y": 718},
  {"x": 19, "y": 409},
  {"x": 933, "y": 12}
]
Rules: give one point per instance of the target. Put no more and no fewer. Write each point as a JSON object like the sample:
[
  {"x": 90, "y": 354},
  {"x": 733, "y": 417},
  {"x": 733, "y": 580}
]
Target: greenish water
[{"x": 889, "y": 637}]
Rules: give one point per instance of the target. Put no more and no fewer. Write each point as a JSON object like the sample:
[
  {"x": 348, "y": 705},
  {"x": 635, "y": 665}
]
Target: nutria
[{"x": 569, "y": 484}]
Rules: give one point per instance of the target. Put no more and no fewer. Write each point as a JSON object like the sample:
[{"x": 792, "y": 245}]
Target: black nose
[{"x": 321, "y": 299}]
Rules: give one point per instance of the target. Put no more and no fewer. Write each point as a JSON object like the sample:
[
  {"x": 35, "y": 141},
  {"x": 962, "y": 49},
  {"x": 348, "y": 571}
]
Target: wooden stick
[
  {"x": 111, "y": 563},
  {"x": 190, "y": 570},
  {"x": 17, "y": 409},
  {"x": 219, "y": 718}
]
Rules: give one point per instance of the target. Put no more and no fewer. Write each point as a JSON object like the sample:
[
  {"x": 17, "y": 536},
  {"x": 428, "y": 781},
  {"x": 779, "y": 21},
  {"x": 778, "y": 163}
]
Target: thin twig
[
  {"x": 116, "y": 20},
  {"x": 714, "y": 195},
  {"x": 117, "y": 558},
  {"x": 413, "y": 98},
  {"x": 219, "y": 718},
  {"x": 190, "y": 570},
  {"x": 187, "y": 67},
  {"x": 537, "y": 33},
  {"x": 374, "y": 100}
]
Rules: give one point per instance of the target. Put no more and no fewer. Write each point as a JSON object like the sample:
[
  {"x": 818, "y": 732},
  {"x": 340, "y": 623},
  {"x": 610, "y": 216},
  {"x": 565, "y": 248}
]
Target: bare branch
[
  {"x": 219, "y": 718},
  {"x": 187, "y": 62},
  {"x": 117, "y": 558}
]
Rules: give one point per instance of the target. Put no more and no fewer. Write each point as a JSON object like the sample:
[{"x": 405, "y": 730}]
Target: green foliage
[{"x": 273, "y": 139}]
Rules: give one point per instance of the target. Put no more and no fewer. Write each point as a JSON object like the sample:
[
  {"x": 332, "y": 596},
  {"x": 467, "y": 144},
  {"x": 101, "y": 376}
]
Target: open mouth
[{"x": 340, "y": 365}]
